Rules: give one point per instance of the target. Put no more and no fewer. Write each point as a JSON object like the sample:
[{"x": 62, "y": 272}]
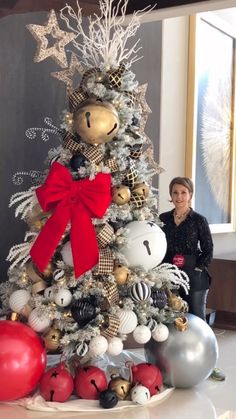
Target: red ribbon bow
[{"x": 75, "y": 202}]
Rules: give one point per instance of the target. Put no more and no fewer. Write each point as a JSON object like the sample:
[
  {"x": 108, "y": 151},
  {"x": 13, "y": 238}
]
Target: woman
[{"x": 189, "y": 246}]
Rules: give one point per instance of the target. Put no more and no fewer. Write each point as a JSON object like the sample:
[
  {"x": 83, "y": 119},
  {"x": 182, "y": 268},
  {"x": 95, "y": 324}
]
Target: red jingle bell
[
  {"x": 148, "y": 375},
  {"x": 89, "y": 382},
  {"x": 57, "y": 384}
]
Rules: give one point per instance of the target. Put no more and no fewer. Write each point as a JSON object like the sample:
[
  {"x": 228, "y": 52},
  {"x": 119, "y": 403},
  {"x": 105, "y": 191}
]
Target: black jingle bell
[
  {"x": 108, "y": 399},
  {"x": 77, "y": 161}
]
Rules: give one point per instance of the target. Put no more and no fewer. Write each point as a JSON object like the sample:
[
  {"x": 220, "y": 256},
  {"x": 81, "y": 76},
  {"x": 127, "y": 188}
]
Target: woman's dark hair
[{"x": 184, "y": 181}]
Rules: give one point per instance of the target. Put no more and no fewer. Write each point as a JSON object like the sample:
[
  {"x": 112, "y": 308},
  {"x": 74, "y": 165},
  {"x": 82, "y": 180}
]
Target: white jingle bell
[
  {"x": 37, "y": 322},
  {"x": 98, "y": 345},
  {"x": 145, "y": 244},
  {"x": 128, "y": 321},
  {"x": 140, "y": 394},
  {"x": 49, "y": 293},
  {"x": 18, "y": 299},
  {"x": 63, "y": 297},
  {"x": 115, "y": 346},
  {"x": 160, "y": 333},
  {"x": 142, "y": 334},
  {"x": 66, "y": 253}
]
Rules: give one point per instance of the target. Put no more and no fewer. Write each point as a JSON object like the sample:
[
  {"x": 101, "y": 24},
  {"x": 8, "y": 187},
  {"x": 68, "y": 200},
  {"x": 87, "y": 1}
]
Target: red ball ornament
[
  {"x": 57, "y": 384},
  {"x": 22, "y": 360},
  {"x": 89, "y": 382},
  {"x": 148, "y": 375}
]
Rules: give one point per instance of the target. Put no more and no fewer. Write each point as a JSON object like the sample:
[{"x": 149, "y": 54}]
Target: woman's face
[{"x": 180, "y": 196}]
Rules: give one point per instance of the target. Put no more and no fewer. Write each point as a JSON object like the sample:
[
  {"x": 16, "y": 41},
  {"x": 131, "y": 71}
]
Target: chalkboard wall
[{"x": 29, "y": 94}]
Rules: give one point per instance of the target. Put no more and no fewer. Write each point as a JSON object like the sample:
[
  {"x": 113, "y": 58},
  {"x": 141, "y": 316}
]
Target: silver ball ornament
[{"x": 187, "y": 357}]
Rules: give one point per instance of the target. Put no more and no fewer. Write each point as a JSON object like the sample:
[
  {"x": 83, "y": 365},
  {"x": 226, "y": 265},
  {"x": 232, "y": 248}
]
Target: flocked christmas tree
[{"x": 89, "y": 272}]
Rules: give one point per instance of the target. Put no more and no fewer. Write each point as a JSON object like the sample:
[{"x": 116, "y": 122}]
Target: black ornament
[
  {"x": 77, "y": 161},
  {"x": 108, "y": 399},
  {"x": 159, "y": 298},
  {"x": 83, "y": 311}
]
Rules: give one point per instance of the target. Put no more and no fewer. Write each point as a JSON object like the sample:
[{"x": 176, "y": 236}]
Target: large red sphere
[
  {"x": 148, "y": 375},
  {"x": 22, "y": 360},
  {"x": 57, "y": 384},
  {"x": 89, "y": 382}
]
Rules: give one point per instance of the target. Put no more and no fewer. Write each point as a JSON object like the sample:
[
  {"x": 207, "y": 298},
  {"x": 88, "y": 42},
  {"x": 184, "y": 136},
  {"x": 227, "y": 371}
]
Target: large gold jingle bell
[{"x": 96, "y": 122}]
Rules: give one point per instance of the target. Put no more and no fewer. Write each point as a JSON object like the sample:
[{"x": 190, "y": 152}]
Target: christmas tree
[{"x": 89, "y": 272}]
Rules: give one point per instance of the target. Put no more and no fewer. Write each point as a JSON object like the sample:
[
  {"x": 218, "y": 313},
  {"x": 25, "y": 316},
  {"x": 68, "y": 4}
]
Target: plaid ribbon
[
  {"x": 113, "y": 325},
  {"x": 70, "y": 143},
  {"x": 111, "y": 295},
  {"x": 105, "y": 235},
  {"x": 105, "y": 264},
  {"x": 112, "y": 164},
  {"x": 76, "y": 98}
]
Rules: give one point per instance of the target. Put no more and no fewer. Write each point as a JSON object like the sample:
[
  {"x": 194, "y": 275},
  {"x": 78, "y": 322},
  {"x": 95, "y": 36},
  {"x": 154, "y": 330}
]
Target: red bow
[{"x": 75, "y": 202}]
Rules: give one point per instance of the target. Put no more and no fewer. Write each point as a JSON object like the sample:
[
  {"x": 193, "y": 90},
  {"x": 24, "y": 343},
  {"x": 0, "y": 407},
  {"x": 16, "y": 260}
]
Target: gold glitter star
[
  {"x": 66, "y": 76},
  {"x": 62, "y": 38}
]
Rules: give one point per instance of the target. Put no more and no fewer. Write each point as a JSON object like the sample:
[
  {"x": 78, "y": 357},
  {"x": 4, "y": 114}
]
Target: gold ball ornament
[
  {"x": 47, "y": 273},
  {"x": 96, "y": 122},
  {"x": 121, "y": 274},
  {"x": 52, "y": 339},
  {"x": 120, "y": 386},
  {"x": 142, "y": 189},
  {"x": 121, "y": 194}
]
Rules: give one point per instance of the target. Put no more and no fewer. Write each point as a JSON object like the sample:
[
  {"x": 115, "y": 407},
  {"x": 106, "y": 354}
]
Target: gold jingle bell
[
  {"x": 96, "y": 122},
  {"x": 120, "y": 386},
  {"x": 141, "y": 189},
  {"x": 52, "y": 339},
  {"x": 121, "y": 274},
  {"x": 121, "y": 194}
]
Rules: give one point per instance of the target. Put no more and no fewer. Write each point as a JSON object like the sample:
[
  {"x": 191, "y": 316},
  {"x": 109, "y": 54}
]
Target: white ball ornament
[
  {"x": 38, "y": 323},
  {"x": 49, "y": 293},
  {"x": 128, "y": 321},
  {"x": 18, "y": 299},
  {"x": 145, "y": 245},
  {"x": 140, "y": 394},
  {"x": 142, "y": 334},
  {"x": 63, "y": 297},
  {"x": 160, "y": 333},
  {"x": 115, "y": 346},
  {"x": 98, "y": 345},
  {"x": 66, "y": 253}
]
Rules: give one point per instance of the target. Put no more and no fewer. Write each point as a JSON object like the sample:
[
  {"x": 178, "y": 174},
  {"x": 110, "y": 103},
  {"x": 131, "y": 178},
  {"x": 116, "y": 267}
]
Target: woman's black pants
[{"x": 197, "y": 302}]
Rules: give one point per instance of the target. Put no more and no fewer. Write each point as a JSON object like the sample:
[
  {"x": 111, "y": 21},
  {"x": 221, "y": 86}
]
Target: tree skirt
[{"x": 37, "y": 403}]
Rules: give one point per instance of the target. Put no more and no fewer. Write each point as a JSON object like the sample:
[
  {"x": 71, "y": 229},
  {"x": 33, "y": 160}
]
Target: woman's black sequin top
[{"x": 191, "y": 237}]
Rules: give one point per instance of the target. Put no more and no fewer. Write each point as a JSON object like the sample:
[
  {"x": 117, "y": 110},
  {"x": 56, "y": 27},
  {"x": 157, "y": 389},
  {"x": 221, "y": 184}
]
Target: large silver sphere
[{"x": 186, "y": 358}]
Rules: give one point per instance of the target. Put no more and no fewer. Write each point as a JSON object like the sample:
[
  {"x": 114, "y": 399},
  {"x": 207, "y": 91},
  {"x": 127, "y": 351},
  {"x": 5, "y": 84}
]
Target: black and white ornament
[
  {"x": 58, "y": 275},
  {"x": 140, "y": 291},
  {"x": 159, "y": 298},
  {"x": 82, "y": 349}
]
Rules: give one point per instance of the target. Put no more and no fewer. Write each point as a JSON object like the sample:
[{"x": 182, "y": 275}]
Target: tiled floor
[{"x": 208, "y": 400}]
